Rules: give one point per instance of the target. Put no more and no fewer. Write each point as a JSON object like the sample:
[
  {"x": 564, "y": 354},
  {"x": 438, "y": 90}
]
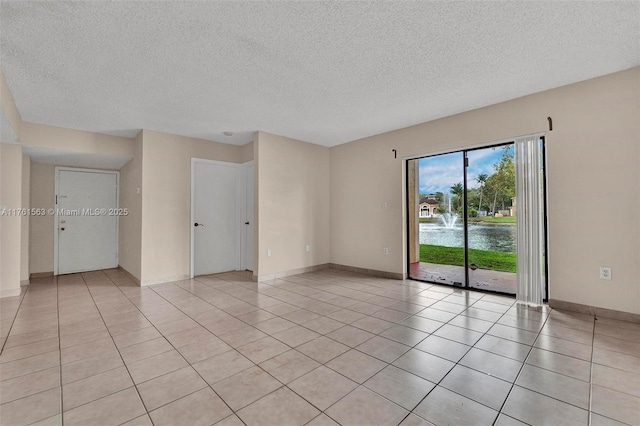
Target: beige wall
[
  {"x": 294, "y": 204},
  {"x": 130, "y": 226},
  {"x": 166, "y": 203},
  {"x": 8, "y": 104},
  {"x": 41, "y": 227},
  {"x": 10, "y": 225},
  {"x": 593, "y": 152},
  {"x": 247, "y": 152},
  {"x": 24, "y": 238},
  {"x": 79, "y": 141},
  {"x": 12, "y": 231}
]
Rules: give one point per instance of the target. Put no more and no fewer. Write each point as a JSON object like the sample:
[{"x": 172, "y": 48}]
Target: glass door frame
[{"x": 465, "y": 165}]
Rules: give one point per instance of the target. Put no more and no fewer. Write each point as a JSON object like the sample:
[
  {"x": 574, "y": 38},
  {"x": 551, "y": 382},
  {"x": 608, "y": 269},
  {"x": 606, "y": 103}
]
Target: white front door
[
  {"x": 86, "y": 220},
  {"x": 216, "y": 216}
]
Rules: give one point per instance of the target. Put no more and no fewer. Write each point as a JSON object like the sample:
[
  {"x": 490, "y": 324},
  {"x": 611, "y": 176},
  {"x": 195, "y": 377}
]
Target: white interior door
[
  {"x": 248, "y": 222},
  {"x": 215, "y": 211},
  {"x": 86, "y": 220}
]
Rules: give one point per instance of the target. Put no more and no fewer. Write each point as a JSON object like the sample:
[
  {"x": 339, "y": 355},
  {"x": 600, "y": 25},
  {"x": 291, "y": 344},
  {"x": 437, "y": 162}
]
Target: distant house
[
  {"x": 512, "y": 209},
  {"x": 429, "y": 206}
]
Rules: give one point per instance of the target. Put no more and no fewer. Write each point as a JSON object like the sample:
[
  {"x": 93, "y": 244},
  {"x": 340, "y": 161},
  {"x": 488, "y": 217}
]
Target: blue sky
[{"x": 440, "y": 172}]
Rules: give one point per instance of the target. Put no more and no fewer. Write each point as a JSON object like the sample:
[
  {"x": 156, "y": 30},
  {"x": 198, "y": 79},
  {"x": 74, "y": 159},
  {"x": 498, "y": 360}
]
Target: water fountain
[{"x": 449, "y": 219}]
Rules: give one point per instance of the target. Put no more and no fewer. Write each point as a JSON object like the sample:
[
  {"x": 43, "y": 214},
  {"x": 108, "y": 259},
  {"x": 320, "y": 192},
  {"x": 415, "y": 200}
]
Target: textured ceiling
[{"x": 322, "y": 72}]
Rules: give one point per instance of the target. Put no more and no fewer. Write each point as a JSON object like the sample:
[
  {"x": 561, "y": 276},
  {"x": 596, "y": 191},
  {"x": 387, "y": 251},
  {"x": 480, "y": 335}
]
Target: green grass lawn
[
  {"x": 494, "y": 260},
  {"x": 491, "y": 219},
  {"x": 429, "y": 219}
]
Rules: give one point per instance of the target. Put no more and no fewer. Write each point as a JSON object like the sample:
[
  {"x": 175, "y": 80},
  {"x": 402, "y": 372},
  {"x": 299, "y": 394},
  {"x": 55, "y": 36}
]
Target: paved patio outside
[{"x": 483, "y": 279}]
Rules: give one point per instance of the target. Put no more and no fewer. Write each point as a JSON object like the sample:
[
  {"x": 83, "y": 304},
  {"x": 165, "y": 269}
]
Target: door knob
[
  {"x": 246, "y": 223},
  {"x": 62, "y": 229},
  {"x": 198, "y": 224}
]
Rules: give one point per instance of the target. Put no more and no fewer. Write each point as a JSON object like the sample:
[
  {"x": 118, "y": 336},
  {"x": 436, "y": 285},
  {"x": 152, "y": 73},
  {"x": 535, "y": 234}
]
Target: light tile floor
[{"x": 323, "y": 348}]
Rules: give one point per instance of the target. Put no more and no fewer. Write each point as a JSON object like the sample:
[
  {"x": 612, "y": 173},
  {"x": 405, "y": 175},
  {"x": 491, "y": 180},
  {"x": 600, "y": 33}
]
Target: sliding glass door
[
  {"x": 440, "y": 237},
  {"x": 462, "y": 213},
  {"x": 491, "y": 218}
]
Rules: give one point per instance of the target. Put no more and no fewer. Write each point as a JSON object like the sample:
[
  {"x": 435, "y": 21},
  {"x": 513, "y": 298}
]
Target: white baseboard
[
  {"x": 129, "y": 274},
  {"x": 594, "y": 310},
  {"x": 10, "y": 293},
  {"x": 34, "y": 275},
  {"x": 365, "y": 271},
  {"x": 164, "y": 280},
  {"x": 281, "y": 274}
]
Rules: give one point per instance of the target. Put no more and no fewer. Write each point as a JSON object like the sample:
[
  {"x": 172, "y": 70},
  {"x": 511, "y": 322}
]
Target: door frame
[
  {"x": 240, "y": 202},
  {"x": 244, "y": 249},
  {"x": 464, "y": 150},
  {"x": 57, "y": 171}
]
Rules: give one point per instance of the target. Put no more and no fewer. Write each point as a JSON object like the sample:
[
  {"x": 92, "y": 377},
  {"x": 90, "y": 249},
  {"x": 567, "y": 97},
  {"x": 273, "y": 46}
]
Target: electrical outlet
[
  {"x": 384, "y": 205},
  {"x": 308, "y": 248},
  {"x": 385, "y": 250},
  {"x": 605, "y": 273},
  {"x": 268, "y": 252}
]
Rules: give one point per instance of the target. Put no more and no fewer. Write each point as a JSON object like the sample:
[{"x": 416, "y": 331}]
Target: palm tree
[
  {"x": 481, "y": 179},
  {"x": 457, "y": 190}
]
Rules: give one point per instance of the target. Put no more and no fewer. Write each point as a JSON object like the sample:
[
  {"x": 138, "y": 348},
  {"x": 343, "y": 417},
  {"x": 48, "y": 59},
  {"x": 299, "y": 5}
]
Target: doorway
[
  {"x": 221, "y": 216},
  {"x": 86, "y": 220},
  {"x": 462, "y": 213}
]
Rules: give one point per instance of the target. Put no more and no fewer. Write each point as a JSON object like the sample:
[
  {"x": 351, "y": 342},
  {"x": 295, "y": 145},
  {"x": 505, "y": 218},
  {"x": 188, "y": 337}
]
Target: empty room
[{"x": 319, "y": 213}]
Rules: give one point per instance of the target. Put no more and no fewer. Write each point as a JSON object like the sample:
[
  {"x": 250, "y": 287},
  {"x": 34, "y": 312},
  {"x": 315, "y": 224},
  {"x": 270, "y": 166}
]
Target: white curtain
[{"x": 530, "y": 220}]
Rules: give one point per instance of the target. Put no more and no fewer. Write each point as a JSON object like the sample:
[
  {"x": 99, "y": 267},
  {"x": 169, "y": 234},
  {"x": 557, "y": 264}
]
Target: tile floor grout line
[
  {"x": 593, "y": 340},
  {"x": 114, "y": 343},
  {"x": 13, "y": 320},
  {"x": 458, "y": 363},
  {"x": 531, "y": 347},
  {"x": 291, "y": 348},
  {"x": 524, "y": 363},
  {"x": 445, "y": 295},
  {"x": 178, "y": 351},
  {"x": 124, "y": 364},
  {"x": 21, "y": 375},
  {"x": 343, "y": 308},
  {"x": 59, "y": 349},
  {"x": 59, "y": 365},
  {"x": 299, "y": 294},
  {"x": 307, "y": 301},
  {"x": 589, "y": 412},
  {"x": 414, "y": 347},
  {"x": 32, "y": 355},
  {"x": 253, "y": 325},
  {"x": 358, "y": 301},
  {"x": 164, "y": 337},
  {"x": 321, "y": 412}
]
